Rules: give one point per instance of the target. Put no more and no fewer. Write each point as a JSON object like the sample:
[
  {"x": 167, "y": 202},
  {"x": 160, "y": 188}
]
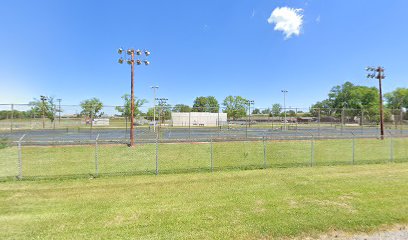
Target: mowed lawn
[
  {"x": 271, "y": 203},
  {"x": 55, "y": 161}
]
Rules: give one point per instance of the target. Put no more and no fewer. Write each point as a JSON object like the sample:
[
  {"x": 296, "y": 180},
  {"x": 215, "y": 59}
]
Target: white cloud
[
  {"x": 318, "y": 19},
  {"x": 287, "y": 20},
  {"x": 205, "y": 27}
]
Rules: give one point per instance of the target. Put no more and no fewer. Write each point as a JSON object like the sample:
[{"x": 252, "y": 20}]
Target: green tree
[
  {"x": 276, "y": 109},
  {"x": 125, "y": 109},
  {"x": 47, "y": 107},
  {"x": 212, "y": 105},
  {"x": 150, "y": 113},
  {"x": 164, "y": 111},
  {"x": 397, "y": 99},
  {"x": 349, "y": 96},
  {"x": 324, "y": 107},
  {"x": 291, "y": 113},
  {"x": 256, "y": 111},
  {"x": 206, "y": 104},
  {"x": 91, "y": 108},
  {"x": 6, "y": 114},
  {"x": 266, "y": 111},
  {"x": 181, "y": 108},
  {"x": 235, "y": 107}
]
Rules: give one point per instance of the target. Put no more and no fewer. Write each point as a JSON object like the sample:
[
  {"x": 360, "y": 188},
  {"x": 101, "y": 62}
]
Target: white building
[
  {"x": 100, "y": 122},
  {"x": 198, "y": 119}
]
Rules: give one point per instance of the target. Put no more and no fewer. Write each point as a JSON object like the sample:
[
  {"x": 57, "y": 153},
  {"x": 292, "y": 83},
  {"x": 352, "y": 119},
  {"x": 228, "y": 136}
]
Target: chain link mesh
[
  {"x": 69, "y": 143},
  {"x": 238, "y": 154},
  {"x": 8, "y": 158},
  {"x": 373, "y": 150},
  {"x": 284, "y": 152}
]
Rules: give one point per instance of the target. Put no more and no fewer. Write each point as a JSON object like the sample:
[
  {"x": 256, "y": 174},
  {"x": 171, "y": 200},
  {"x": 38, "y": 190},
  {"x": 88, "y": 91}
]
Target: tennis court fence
[{"x": 36, "y": 159}]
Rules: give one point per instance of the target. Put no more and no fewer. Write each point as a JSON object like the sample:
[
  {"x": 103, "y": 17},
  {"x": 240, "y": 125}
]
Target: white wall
[{"x": 198, "y": 119}]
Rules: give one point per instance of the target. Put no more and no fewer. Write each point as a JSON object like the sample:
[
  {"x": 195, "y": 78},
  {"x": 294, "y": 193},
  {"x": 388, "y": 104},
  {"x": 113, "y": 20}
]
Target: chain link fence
[
  {"x": 71, "y": 143},
  {"x": 113, "y": 122},
  {"x": 28, "y": 159}
]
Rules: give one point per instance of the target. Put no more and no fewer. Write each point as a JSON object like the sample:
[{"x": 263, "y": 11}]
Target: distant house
[
  {"x": 100, "y": 122},
  {"x": 306, "y": 119},
  {"x": 330, "y": 119}
]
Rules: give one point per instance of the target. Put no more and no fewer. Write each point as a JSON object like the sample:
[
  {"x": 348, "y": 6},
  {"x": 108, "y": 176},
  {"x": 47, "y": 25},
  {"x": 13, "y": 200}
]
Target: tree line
[
  {"x": 345, "y": 96},
  {"x": 362, "y": 100},
  {"x": 234, "y": 106}
]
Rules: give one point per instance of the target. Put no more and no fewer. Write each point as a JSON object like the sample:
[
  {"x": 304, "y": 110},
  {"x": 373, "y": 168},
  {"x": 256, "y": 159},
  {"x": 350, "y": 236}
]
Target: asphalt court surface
[{"x": 169, "y": 133}]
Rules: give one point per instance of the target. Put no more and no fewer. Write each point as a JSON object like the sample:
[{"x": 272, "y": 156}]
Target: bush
[{"x": 3, "y": 143}]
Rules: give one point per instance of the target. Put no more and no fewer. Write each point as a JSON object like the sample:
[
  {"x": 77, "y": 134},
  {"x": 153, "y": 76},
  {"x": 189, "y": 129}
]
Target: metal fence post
[
  {"x": 246, "y": 129},
  {"x": 354, "y": 147},
  {"x": 20, "y": 160},
  {"x": 264, "y": 152},
  {"x": 90, "y": 132},
  {"x": 96, "y": 157},
  {"x": 312, "y": 151},
  {"x": 342, "y": 121},
  {"x": 219, "y": 124},
  {"x": 401, "y": 120},
  {"x": 271, "y": 114},
  {"x": 189, "y": 125},
  {"x": 391, "y": 147},
  {"x": 362, "y": 121},
  {"x": 319, "y": 117},
  {"x": 211, "y": 155},
  {"x": 157, "y": 154},
  {"x": 12, "y": 118}
]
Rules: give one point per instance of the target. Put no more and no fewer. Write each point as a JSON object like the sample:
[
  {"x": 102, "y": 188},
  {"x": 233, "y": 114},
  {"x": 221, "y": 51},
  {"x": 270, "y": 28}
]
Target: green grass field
[
  {"x": 57, "y": 161},
  {"x": 258, "y": 204}
]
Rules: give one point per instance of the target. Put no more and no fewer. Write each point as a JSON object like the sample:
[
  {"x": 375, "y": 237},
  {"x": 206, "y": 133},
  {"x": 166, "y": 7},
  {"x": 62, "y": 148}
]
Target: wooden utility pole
[
  {"x": 132, "y": 98},
  {"x": 378, "y": 73},
  {"x": 132, "y": 62}
]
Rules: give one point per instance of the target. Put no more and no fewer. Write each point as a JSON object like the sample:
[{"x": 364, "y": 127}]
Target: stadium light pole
[
  {"x": 154, "y": 106},
  {"x": 131, "y": 61},
  {"x": 378, "y": 73},
  {"x": 59, "y": 110},
  {"x": 284, "y": 106},
  {"x": 43, "y": 99}
]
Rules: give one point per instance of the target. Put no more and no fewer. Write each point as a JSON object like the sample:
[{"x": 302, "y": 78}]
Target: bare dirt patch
[{"x": 399, "y": 232}]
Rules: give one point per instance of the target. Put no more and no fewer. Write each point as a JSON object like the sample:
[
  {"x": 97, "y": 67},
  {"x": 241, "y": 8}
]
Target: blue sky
[{"x": 67, "y": 49}]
